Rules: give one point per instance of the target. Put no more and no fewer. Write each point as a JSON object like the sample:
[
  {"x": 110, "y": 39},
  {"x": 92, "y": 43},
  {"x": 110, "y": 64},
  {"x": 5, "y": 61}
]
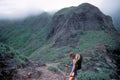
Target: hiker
[{"x": 74, "y": 65}]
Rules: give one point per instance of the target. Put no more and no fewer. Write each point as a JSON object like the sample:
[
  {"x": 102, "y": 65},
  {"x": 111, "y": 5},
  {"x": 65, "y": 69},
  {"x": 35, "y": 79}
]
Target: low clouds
[
  {"x": 110, "y": 6},
  {"x": 21, "y": 8}
]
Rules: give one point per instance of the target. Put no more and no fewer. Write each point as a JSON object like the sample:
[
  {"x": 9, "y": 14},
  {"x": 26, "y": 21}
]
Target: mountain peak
[
  {"x": 85, "y": 17},
  {"x": 86, "y": 5}
]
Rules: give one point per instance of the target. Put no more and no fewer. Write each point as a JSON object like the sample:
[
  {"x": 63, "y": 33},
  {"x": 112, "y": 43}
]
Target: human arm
[
  {"x": 73, "y": 68},
  {"x": 67, "y": 65}
]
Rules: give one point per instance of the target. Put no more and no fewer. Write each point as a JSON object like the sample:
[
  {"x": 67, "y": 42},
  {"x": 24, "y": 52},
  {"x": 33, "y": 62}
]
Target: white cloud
[{"x": 22, "y": 8}]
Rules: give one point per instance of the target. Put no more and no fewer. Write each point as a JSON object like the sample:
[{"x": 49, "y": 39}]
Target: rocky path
[{"x": 38, "y": 72}]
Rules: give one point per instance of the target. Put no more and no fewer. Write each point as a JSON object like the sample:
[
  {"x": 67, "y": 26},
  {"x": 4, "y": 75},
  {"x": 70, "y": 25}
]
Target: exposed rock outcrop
[{"x": 8, "y": 67}]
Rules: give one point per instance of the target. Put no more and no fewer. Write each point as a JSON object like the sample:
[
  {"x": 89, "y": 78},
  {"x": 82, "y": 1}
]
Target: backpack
[{"x": 79, "y": 61}]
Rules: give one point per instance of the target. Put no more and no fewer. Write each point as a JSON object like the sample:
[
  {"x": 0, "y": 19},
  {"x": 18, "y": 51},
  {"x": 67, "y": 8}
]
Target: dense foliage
[{"x": 8, "y": 52}]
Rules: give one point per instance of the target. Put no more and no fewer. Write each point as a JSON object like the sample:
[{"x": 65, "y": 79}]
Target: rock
[
  {"x": 33, "y": 63},
  {"x": 8, "y": 68}
]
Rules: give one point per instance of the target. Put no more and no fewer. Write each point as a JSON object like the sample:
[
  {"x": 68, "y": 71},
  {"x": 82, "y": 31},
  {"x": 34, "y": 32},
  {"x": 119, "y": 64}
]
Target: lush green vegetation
[
  {"x": 90, "y": 39},
  {"x": 8, "y": 51},
  {"x": 93, "y": 76},
  {"x": 87, "y": 41},
  {"x": 26, "y": 35}
]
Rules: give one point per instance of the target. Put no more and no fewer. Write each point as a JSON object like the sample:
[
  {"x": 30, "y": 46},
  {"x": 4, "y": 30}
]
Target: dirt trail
[
  {"x": 36, "y": 72},
  {"x": 53, "y": 76},
  {"x": 56, "y": 66}
]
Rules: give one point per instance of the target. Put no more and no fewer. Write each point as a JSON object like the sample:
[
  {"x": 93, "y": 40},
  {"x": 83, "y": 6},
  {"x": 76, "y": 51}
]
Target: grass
[
  {"x": 88, "y": 40},
  {"x": 49, "y": 54},
  {"x": 89, "y": 75},
  {"x": 53, "y": 69}
]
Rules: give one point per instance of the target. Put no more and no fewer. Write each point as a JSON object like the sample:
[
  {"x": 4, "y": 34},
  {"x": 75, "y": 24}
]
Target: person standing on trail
[
  {"x": 75, "y": 65},
  {"x": 72, "y": 66}
]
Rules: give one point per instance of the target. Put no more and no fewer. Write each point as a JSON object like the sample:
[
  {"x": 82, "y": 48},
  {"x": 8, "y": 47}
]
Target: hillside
[
  {"x": 26, "y": 35},
  {"x": 83, "y": 29}
]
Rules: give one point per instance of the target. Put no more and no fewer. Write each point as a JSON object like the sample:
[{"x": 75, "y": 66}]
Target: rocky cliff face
[{"x": 85, "y": 17}]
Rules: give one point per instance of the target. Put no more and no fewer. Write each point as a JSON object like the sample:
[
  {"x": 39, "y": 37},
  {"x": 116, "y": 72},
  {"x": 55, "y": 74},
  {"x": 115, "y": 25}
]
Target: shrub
[
  {"x": 53, "y": 69},
  {"x": 62, "y": 67},
  {"x": 5, "y": 50}
]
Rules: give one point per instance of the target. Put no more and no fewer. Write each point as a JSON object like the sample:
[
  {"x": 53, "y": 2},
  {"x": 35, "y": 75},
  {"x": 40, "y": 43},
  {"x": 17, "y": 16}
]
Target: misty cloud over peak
[{"x": 14, "y": 9}]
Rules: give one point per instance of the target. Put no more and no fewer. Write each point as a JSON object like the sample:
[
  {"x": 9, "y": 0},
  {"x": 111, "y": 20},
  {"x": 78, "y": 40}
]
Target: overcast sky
[{"x": 21, "y": 8}]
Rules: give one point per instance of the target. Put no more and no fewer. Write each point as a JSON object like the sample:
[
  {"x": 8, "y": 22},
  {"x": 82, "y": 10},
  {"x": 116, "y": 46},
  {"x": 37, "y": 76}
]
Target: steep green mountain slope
[
  {"x": 26, "y": 35},
  {"x": 87, "y": 41}
]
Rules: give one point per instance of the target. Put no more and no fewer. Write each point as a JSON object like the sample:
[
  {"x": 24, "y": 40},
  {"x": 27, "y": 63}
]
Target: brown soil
[{"x": 36, "y": 72}]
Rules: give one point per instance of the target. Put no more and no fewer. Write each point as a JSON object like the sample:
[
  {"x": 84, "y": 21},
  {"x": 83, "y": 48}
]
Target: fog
[{"x": 17, "y": 9}]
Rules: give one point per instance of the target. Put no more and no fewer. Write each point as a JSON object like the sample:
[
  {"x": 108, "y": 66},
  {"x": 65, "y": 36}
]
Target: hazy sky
[{"x": 23, "y": 8}]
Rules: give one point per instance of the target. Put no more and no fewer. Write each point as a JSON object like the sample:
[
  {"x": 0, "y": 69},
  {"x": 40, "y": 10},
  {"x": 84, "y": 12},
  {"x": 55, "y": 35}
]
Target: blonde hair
[{"x": 77, "y": 57}]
